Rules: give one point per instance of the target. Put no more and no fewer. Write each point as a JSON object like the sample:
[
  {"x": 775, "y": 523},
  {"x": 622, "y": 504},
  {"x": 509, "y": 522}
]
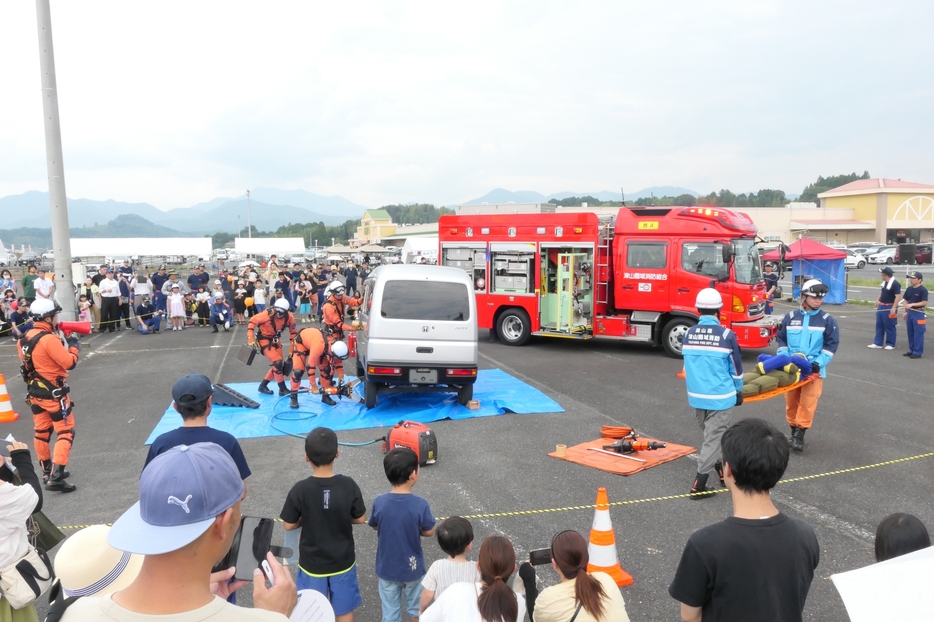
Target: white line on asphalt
[
  {"x": 233, "y": 333},
  {"x": 837, "y": 524},
  {"x": 888, "y": 387}
]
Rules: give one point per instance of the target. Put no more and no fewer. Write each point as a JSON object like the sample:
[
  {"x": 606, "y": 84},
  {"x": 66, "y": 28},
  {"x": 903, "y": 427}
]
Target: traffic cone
[
  {"x": 602, "y": 547},
  {"x": 7, "y": 414}
]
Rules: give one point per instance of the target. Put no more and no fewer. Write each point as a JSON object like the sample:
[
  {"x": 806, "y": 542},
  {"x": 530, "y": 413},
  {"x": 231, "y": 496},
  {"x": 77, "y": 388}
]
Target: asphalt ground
[{"x": 876, "y": 407}]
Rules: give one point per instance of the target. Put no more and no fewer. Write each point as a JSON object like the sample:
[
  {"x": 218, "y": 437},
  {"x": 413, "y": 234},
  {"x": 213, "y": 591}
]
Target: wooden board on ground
[{"x": 581, "y": 454}]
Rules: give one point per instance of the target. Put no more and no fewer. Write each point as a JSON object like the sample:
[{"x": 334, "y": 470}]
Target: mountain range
[
  {"x": 500, "y": 195},
  {"x": 270, "y": 208}
]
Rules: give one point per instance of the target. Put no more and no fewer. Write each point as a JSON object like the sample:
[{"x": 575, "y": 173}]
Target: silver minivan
[{"x": 418, "y": 332}]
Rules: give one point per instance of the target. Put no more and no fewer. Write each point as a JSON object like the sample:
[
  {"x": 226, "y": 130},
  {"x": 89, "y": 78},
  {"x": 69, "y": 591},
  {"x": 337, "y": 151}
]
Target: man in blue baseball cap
[{"x": 184, "y": 523}]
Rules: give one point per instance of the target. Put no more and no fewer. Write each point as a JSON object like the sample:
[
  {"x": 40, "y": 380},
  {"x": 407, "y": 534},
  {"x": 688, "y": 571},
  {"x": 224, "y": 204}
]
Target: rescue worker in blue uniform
[
  {"x": 813, "y": 333},
  {"x": 887, "y": 311},
  {"x": 916, "y": 299},
  {"x": 771, "y": 285},
  {"x": 158, "y": 280},
  {"x": 714, "y": 376}
]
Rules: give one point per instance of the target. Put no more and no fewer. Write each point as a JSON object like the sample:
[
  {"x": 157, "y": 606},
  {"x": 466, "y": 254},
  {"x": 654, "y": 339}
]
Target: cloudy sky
[{"x": 175, "y": 102}]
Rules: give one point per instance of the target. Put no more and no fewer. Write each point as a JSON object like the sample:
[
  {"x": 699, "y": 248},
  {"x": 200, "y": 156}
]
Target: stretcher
[{"x": 767, "y": 395}]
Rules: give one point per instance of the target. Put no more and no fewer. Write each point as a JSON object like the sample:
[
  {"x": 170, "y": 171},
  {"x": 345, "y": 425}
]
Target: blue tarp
[
  {"x": 831, "y": 272},
  {"x": 497, "y": 391}
]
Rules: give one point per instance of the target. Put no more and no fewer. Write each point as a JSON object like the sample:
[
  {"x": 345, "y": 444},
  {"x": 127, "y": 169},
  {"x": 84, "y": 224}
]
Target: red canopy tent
[
  {"x": 806, "y": 249},
  {"x": 810, "y": 259}
]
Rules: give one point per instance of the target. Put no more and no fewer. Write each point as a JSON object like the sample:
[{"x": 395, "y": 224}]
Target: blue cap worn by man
[{"x": 184, "y": 523}]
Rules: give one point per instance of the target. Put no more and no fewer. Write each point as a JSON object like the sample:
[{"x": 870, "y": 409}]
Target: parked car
[
  {"x": 866, "y": 250},
  {"x": 48, "y": 255},
  {"x": 419, "y": 332},
  {"x": 835, "y": 244},
  {"x": 922, "y": 254},
  {"x": 28, "y": 258},
  {"x": 886, "y": 255},
  {"x": 855, "y": 260}
]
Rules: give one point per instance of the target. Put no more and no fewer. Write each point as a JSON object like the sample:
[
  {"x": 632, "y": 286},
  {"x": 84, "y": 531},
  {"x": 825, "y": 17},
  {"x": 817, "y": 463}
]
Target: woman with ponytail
[
  {"x": 491, "y": 600},
  {"x": 580, "y": 597}
]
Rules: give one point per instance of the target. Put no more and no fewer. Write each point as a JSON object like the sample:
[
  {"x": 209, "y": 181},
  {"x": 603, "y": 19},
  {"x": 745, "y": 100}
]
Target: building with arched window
[{"x": 902, "y": 211}]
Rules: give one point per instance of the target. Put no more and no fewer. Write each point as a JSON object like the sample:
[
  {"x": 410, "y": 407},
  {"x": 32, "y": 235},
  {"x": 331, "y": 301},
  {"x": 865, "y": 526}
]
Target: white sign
[{"x": 645, "y": 287}]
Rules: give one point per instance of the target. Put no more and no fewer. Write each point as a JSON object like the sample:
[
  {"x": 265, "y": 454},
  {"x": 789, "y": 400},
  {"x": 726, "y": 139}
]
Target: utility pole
[
  {"x": 58, "y": 203},
  {"x": 249, "y": 218},
  {"x": 239, "y": 230}
]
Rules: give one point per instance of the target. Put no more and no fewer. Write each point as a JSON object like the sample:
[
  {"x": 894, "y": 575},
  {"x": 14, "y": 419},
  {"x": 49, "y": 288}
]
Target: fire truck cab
[{"x": 630, "y": 277}]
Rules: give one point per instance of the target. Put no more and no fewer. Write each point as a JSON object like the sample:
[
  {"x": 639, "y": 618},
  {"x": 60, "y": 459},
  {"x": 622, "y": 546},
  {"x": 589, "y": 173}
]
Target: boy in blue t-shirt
[
  {"x": 399, "y": 518},
  {"x": 328, "y": 505},
  {"x": 192, "y": 400}
]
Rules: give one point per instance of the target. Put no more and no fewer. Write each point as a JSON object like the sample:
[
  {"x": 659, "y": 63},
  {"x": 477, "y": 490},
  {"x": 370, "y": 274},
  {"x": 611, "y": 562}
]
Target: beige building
[
  {"x": 375, "y": 225},
  {"x": 900, "y": 211}
]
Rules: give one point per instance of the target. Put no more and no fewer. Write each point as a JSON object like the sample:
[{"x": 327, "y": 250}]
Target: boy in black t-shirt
[
  {"x": 758, "y": 564},
  {"x": 329, "y": 506}
]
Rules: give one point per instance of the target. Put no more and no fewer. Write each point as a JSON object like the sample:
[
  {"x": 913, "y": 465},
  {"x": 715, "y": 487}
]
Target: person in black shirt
[
  {"x": 887, "y": 311},
  {"x": 326, "y": 506},
  {"x": 771, "y": 284},
  {"x": 758, "y": 564},
  {"x": 916, "y": 299}
]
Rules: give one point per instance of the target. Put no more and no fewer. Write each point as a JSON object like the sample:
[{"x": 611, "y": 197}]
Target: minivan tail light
[
  {"x": 462, "y": 372},
  {"x": 384, "y": 371}
]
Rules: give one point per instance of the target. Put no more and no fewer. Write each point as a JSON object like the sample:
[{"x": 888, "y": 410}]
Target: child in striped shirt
[{"x": 455, "y": 537}]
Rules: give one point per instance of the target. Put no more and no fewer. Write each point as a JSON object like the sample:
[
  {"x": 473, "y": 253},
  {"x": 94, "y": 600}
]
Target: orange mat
[
  {"x": 581, "y": 454},
  {"x": 767, "y": 395}
]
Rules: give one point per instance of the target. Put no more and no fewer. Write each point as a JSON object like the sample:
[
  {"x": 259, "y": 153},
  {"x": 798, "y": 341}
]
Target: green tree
[{"x": 823, "y": 184}]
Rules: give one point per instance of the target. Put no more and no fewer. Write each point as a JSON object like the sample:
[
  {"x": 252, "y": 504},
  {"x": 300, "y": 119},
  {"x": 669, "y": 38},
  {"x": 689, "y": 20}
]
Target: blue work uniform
[
  {"x": 815, "y": 334},
  {"x": 147, "y": 318},
  {"x": 917, "y": 324},
  {"x": 220, "y": 313},
  {"x": 886, "y": 318},
  {"x": 713, "y": 371},
  {"x": 158, "y": 298},
  {"x": 771, "y": 280}
]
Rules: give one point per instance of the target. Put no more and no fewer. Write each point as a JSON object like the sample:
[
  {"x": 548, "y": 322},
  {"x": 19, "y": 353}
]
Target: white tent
[
  {"x": 269, "y": 246},
  {"x": 127, "y": 247},
  {"x": 420, "y": 246}
]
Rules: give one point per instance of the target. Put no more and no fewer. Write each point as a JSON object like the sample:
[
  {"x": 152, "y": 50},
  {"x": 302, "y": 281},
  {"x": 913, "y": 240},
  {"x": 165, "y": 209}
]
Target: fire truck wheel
[
  {"x": 369, "y": 393},
  {"x": 514, "y": 327},
  {"x": 673, "y": 335},
  {"x": 465, "y": 394}
]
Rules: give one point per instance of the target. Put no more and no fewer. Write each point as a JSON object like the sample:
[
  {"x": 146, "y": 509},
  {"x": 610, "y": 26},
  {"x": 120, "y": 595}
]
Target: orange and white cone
[
  {"x": 602, "y": 547},
  {"x": 7, "y": 414}
]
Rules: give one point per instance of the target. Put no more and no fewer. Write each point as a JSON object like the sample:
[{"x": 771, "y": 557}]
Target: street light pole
[
  {"x": 249, "y": 218},
  {"x": 58, "y": 202}
]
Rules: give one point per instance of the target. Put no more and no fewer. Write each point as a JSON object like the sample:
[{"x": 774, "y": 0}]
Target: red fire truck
[{"x": 633, "y": 276}]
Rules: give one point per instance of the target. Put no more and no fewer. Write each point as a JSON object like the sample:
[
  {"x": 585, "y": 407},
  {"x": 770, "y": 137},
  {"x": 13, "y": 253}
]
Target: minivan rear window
[{"x": 426, "y": 300}]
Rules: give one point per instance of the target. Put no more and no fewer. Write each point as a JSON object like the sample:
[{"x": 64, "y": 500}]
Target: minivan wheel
[
  {"x": 514, "y": 327},
  {"x": 465, "y": 394},
  {"x": 369, "y": 393}
]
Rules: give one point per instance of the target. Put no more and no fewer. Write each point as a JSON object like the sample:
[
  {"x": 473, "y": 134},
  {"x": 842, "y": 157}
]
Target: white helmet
[
  {"x": 339, "y": 349},
  {"x": 282, "y": 306},
  {"x": 43, "y": 308},
  {"x": 708, "y": 298},
  {"x": 218, "y": 295},
  {"x": 814, "y": 287},
  {"x": 336, "y": 288}
]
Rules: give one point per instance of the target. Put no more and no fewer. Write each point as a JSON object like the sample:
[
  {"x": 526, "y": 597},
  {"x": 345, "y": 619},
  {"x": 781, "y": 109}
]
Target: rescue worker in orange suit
[
  {"x": 312, "y": 351},
  {"x": 265, "y": 331},
  {"x": 46, "y": 358},
  {"x": 333, "y": 311}
]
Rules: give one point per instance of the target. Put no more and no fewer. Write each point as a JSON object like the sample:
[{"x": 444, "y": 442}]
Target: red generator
[{"x": 416, "y": 436}]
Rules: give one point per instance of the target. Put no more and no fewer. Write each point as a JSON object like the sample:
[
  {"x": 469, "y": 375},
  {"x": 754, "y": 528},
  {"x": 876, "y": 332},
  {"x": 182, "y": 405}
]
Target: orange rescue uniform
[
  {"x": 270, "y": 327},
  {"x": 311, "y": 352},
  {"x": 333, "y": 311},
  {"x": 51, "y": 360}
]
